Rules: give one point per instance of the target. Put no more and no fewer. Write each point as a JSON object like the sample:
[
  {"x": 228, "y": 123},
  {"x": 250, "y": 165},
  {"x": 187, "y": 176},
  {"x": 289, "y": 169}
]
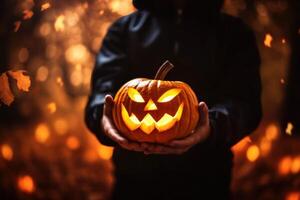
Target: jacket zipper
[{"x": 178, "y": 23}]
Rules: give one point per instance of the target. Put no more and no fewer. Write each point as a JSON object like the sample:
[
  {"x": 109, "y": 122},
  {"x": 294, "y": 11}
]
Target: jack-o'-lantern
[{"x": 155, "y": 111}]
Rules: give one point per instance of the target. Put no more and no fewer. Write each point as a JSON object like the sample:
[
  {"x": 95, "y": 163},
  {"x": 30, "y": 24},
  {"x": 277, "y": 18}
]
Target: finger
[
  {"x": 108, "y": 105},
  {"x": 203, "y": 112},
  {"x": 185, "y": 142},
  {"x": 112, "y": 132}
]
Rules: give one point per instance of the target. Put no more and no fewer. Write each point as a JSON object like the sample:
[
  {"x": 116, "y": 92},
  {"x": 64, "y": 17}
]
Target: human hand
[
  {"x": 180, "y": 146},
  {"x": 109, "y": 129}
]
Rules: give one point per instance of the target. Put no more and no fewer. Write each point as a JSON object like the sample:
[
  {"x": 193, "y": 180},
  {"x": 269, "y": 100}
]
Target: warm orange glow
[
  {"x": 265, "y": 146},
  {"x": 42, "y": 133},
  {"x": 61, "y": 126},
  {"x": 7, "y": 152},
  {"x": 23, "y": 55},
  {"x": 148, "y": 124},
  {"x": 253, "y": 153},
  {"x": 150, "y": 106},
  {"x": 73, "y": 143},
  {"x": 105, "y": 152},
  {"x": 59, "y": 23},
  {"x": 26, "y": 184},
  {"x": 295, "y": 168},
  {"x": 241, "y": 145},
  {"x": 51, "y": 107},
  {"x": 169, "y": 95},
  {"x": 283, "y": 41},
  {"x": 59, "y": 81},
  {"x": 284, "y": 166},
  {"x": 293, "y": 196},
  {"x": 76, "y": 54},
  {"x": 45, "y": 6},
  {"x": 268, "y": 40},
  {"x": 122, "y": 7},
  {"x": 27, "y": 14},
  {"x": 135, "y": 95},
  {"x": 272, "y": 132},
  {"x": 289, "y": 129},
  {"x": 42, "y": 74}
]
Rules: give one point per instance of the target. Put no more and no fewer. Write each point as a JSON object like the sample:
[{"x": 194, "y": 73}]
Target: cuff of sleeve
[
  {"x": 93, "y": 116},
  {"x": 220, "y": 129}
]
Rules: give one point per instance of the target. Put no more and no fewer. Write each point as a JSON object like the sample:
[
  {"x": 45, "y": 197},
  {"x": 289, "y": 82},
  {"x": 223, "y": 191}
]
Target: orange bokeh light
[
  {"x": 7, "y": 152},
  {"x": 105, "y": 152},
  {"x": 253, "y": 153},
  {"x": 72, "y": 143},
  {"x": 42, "y": 133},
  {"x": 26, "y": 184}
]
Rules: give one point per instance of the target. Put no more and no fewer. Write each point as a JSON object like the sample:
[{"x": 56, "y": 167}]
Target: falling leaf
[
  {"x": 6, "y": 96},
  {"x": 59, "y": 23},
  {"x": 17, "y": 25},
  {"x": 289, "y": 129},
  {"x": 45, "y": 6},
  {"x": 268, "y": 40},
  {"x": 27, "y": 14},
  {"x": 23, "y": 81}
]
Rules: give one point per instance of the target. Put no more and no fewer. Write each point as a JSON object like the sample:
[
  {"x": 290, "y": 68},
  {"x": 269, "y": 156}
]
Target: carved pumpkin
[{"x": 155, "y": 111}]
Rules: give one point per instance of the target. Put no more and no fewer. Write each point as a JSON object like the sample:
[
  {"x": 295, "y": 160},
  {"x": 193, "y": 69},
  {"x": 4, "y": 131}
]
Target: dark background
[{"x": 47, "y": 153}]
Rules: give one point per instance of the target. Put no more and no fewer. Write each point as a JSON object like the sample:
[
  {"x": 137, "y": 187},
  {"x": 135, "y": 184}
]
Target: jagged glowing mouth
[{"x": 148, "y": 123}]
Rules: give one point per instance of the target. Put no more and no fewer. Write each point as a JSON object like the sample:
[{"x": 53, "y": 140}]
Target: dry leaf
[
  {"x": 45, "y": 6},
  {"x": 6, "y": 95},
  {"x": 17, "y": 25},
  {"x": 23, "y": 81},
  {"x": 27, "y": 14}
]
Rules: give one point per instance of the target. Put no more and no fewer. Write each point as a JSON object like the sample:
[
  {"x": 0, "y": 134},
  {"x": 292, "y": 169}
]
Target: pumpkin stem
[{"x": 163, "y": 70}]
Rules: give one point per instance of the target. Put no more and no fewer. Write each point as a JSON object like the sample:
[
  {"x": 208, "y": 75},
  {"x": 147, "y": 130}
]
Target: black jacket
[{"x": 214, "y": 53}]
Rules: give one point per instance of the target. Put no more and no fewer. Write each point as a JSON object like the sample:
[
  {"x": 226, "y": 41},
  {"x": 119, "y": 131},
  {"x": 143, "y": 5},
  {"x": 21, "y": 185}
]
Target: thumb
[
  {"x": 203, "y": 112},
  {"x": 108, "y": 105}
]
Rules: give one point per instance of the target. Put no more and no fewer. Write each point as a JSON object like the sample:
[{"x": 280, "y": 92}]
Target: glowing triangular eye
[
  {"x": 169, "y": 95},
  {"x": 135, "y": 95}
]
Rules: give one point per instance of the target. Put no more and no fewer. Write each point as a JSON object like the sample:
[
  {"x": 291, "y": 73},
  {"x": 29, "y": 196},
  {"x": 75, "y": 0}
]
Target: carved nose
[{"x": 150, "y": 106}]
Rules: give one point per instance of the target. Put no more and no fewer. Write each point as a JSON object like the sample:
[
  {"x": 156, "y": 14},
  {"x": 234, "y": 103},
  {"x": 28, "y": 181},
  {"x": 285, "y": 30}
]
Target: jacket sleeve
[
  {"x": 238, "y": 112},
  {"x": 110, "y": 69}
]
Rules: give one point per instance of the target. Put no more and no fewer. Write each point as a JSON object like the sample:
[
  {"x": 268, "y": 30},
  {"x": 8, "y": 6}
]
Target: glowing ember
[
  {"x": 282, "y": 81},
  {"x": 289, "y": 129},
  {"x": 253, "y": 153},
  {"x": 105, "y": 152},
  {"x": 7, "y": 152},
  {"x": 45, "y": 6},
  {"x": 293, "y": 196},
  {"x": 26, "y": 184},
  {"x": 27, "y": 14},
  {"x": 72, "y": 143},
  {"x": 285, "y": 165},
  {"x": 59, "y": 23},
  {"x": 268, "y": 40},
  {"x": 51, "y": 107},
  {"x": 283, "y": 41},
  {"x": 272, "y": 132},
  {"x": 42, "y": 133}
]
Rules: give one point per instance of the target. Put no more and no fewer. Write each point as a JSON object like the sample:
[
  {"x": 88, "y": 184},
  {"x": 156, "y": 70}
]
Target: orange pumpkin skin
[{"x": 186, "y": 101}]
